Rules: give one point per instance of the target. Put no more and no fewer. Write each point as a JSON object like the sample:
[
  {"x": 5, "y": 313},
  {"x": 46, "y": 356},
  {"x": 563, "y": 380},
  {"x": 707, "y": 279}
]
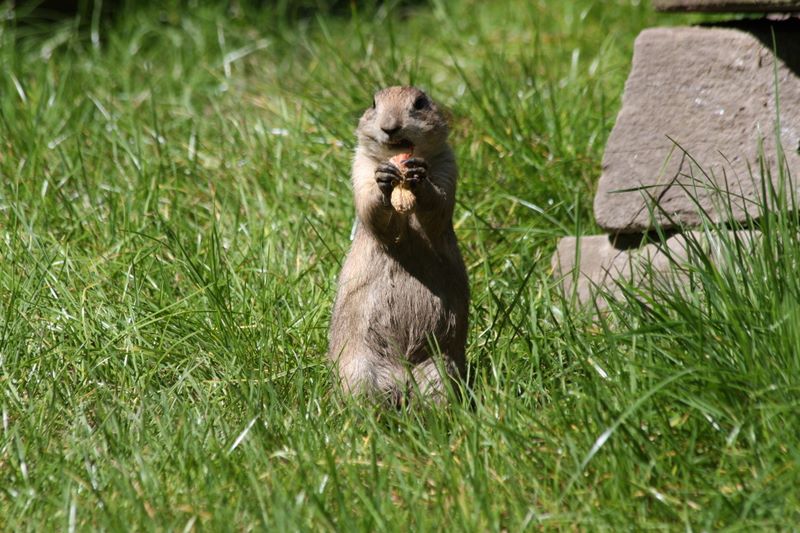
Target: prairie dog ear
[{"x": 447, "y": 113}]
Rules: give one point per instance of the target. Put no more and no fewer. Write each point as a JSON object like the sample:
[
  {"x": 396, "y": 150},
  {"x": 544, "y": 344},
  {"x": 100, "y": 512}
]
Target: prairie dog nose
[{"x": 390, "y": 131}]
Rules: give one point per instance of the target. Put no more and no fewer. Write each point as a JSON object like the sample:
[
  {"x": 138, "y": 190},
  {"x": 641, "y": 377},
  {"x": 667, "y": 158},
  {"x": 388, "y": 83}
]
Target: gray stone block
[
  {"x": 727, "y": 6},
  {"x": 697, "y": 104},
  {"x": 597, "y": 267}
]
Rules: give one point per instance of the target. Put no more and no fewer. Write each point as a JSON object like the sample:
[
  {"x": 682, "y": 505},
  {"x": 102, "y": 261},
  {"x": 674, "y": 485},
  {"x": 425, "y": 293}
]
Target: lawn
[{"x": 174, "y": 209}]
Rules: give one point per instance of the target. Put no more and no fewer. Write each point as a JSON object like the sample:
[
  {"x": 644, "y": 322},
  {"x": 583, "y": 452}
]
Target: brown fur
[{"x": 403, "y": 288}]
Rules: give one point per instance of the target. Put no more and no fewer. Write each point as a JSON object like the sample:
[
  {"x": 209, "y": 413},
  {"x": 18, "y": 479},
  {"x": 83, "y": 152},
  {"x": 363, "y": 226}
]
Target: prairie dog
[{"x": 403, "y": 294}]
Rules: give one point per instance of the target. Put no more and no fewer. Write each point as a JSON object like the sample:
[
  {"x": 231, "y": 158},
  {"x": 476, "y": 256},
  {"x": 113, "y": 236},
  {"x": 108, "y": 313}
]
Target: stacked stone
[{"x": 699, "y": 116}]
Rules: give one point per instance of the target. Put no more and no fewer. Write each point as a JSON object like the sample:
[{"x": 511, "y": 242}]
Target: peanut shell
[{"x": 403, "y": 200}]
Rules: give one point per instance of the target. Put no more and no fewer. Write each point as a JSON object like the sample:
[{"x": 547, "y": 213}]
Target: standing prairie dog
[{"x": 403, "y": 295}]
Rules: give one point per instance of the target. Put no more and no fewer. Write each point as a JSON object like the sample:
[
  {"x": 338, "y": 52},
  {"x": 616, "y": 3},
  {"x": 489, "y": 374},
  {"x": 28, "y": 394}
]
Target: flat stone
[
  {"x": 597, "y": 268},
  {"x": 727, "y": 6},
  {"x": 697, "y": 104}
]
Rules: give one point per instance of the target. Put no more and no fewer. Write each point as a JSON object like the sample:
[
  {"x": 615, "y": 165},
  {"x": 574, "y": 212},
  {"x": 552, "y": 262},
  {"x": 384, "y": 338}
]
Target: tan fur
[{"x": 403, "y": 288}]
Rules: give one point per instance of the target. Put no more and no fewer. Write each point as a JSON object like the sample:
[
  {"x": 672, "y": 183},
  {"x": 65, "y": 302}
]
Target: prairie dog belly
[{"x": 407, "y": 315}]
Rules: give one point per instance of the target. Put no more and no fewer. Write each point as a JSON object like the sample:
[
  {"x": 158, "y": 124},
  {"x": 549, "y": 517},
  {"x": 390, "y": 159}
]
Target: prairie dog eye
[
  {"x": 421, "y": 102},
  {"x": 373, "y": 103}
]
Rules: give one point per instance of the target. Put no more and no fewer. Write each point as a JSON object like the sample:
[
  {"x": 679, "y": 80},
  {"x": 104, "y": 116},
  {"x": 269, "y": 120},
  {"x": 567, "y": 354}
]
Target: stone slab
[
  {"x": 728, "y": 6},
  {"x": 597, "y": 267},
  {"x": 697, "y": 104}
]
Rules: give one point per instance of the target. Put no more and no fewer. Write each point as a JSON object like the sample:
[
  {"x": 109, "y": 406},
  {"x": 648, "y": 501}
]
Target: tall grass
[{"x": 174, "y": 207}]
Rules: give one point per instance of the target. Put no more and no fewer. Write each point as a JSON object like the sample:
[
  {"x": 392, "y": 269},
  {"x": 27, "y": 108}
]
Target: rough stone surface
[
  {"x": 700, "y": 96},
  {"x": 723, "y": 6},
  {"x": 605, "y": 263}
]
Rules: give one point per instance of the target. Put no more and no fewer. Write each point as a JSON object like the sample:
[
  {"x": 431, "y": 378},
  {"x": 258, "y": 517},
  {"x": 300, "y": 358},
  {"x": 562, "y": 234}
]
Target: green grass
[{"x": 174, "y": 208}]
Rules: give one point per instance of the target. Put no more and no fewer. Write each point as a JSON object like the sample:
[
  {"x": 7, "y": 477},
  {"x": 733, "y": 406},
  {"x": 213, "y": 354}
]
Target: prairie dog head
[{"x": 402, "y": 119}]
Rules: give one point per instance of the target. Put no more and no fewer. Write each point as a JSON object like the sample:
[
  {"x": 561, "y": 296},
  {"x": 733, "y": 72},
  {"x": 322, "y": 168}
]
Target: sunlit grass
[{"x": 174, "y": 207}]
